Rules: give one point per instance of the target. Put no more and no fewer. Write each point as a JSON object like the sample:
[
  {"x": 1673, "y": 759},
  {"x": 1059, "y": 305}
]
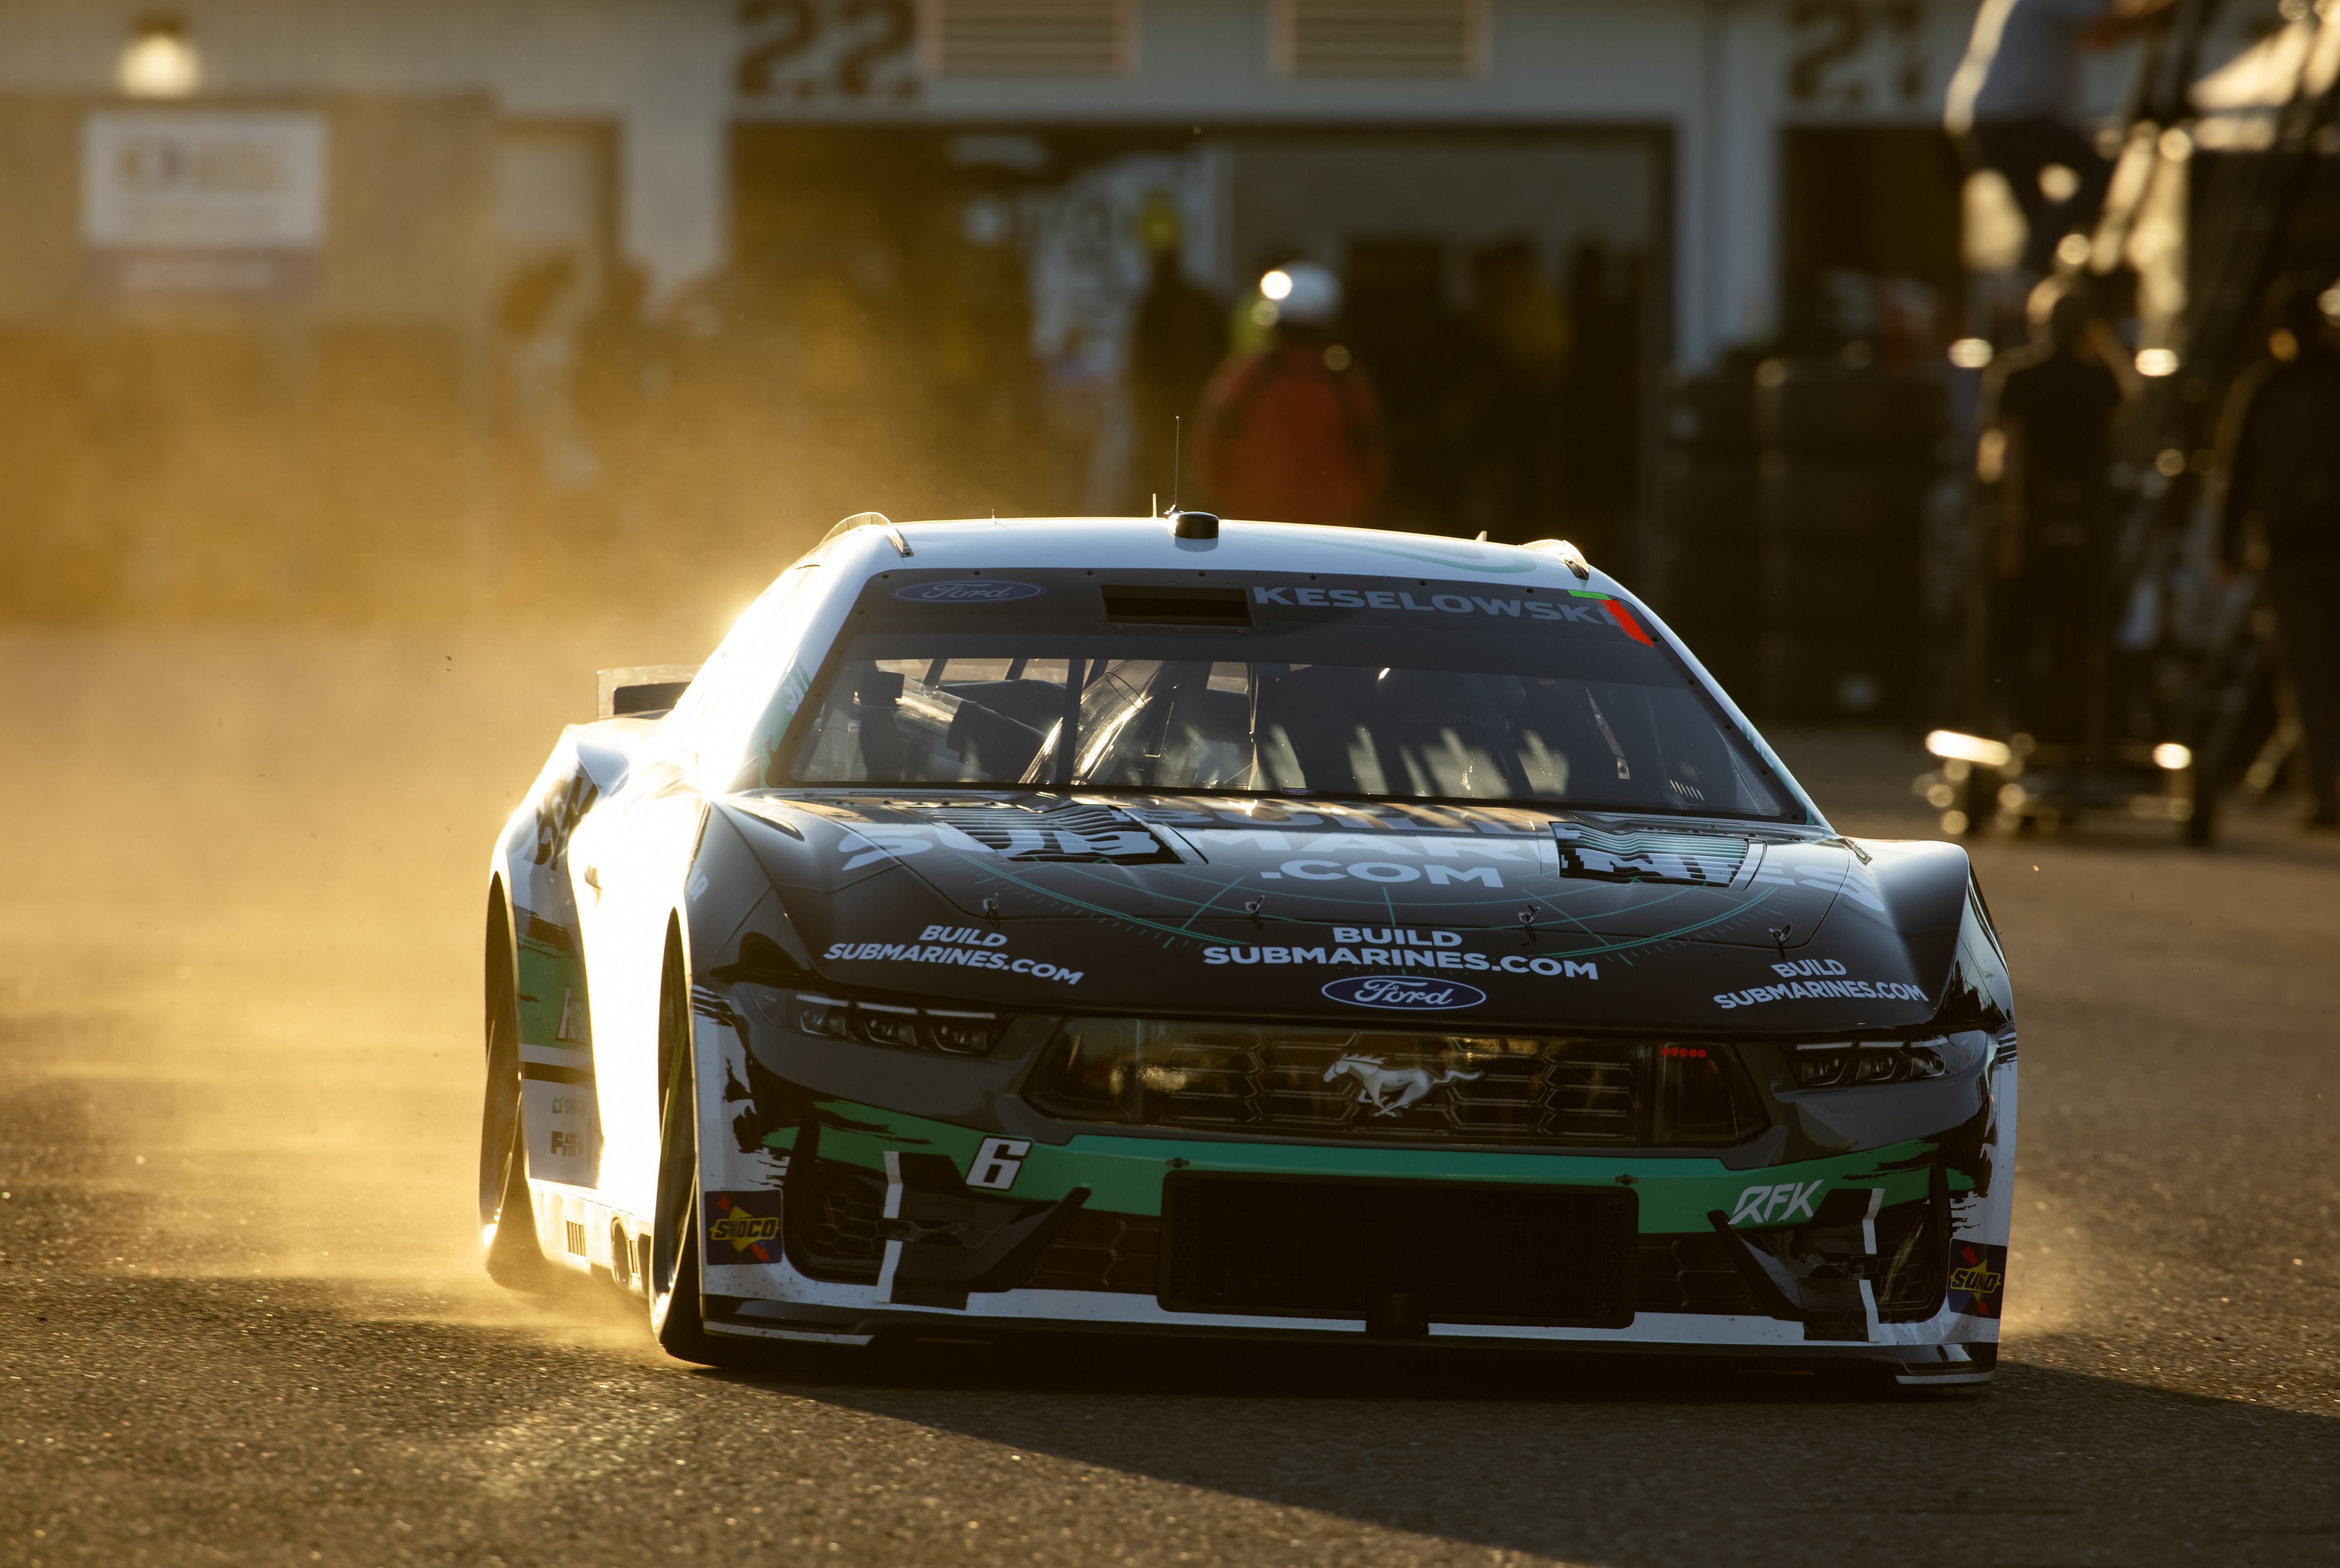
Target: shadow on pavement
[{"x": 1629, "y": 1462}]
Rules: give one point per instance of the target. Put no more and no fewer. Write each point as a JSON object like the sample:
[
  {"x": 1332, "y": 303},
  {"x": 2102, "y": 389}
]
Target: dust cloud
[{"x": 242, "y": 937}]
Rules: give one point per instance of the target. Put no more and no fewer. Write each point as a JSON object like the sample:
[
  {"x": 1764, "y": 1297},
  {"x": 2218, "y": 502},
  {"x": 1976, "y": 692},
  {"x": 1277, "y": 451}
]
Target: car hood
[{"x": 1236, "y": 906}]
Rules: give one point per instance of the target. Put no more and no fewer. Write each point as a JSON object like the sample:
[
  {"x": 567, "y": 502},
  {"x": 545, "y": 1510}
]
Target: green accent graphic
[
  {"x": 548, "y": 977},
  {"x": 1125, "y": 1175}
]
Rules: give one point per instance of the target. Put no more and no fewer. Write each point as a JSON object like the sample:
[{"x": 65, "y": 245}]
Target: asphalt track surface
[{"x": 240, "y": 1319}]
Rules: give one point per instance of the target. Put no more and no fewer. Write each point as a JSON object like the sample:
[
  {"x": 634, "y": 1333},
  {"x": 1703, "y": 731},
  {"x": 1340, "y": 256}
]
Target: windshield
[{"x": 1299, "y": 684}]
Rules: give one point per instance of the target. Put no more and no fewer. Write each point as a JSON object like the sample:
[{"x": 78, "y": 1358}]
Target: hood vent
[
  {"x": 1074, "y": 833},
  {"x": 1699, "y": 859}
]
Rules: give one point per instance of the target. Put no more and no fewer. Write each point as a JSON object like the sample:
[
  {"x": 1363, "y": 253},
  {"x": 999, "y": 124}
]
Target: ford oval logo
[
  {"x": 969, "y": 591},
  {"x": 1404, "y": 993}
]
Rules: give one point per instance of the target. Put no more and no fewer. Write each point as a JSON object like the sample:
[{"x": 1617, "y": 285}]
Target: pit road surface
[{"x": 240, "y": 1319}]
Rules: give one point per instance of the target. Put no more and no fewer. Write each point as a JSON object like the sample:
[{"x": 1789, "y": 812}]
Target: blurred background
[
  {"x": 371, "y": 373},
  {"x": 503, "y": 310}
]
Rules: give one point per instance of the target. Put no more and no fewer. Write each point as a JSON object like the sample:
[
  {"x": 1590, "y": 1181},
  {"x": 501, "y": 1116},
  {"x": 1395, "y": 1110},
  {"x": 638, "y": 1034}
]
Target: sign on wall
[{"x": 180, "y": 203}]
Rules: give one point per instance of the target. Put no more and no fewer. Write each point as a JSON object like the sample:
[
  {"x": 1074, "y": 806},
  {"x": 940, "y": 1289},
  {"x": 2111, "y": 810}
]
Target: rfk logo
[
  {"x": 1376, "y": 1084},
  {"x": 1770, "y": 1204}
]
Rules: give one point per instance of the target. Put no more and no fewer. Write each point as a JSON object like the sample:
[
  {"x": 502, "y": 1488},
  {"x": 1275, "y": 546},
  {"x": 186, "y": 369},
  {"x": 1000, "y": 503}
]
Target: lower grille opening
[
  {"x": 1913, "y": 1251},
  {"x": 834, "y": 1211},
  {"x": 1101, "y": 1250},
  {"x": 1399, "y": 1254},
  {"x": 1691, "y": 1272}
]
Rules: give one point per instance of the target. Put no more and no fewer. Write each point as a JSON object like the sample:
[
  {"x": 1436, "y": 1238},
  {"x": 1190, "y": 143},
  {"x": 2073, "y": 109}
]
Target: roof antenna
[
  {"x": 1177, "y": 458},
  {"x": 1186, "y": 524}
]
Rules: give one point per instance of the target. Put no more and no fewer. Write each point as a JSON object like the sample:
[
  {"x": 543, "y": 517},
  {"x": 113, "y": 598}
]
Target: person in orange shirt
[{"x": 1292, "y": 433}]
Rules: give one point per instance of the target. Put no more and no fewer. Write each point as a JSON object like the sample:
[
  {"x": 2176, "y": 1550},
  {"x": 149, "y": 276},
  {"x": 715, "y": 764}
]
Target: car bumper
[{"x": 860, "y": 1221}]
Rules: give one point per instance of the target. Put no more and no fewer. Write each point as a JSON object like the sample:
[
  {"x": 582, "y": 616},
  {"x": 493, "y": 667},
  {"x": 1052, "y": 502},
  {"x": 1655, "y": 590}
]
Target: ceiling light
[{"x": 159, "y": 61}]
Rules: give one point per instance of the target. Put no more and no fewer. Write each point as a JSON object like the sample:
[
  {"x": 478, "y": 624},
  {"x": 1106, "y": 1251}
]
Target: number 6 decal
[{"x": 998, "y": 1163}]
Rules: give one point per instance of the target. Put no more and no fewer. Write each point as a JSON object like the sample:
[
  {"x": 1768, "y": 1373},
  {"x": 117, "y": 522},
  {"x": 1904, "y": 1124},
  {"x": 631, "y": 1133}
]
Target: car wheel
[
  {"x": 674, "y": 1277},
  {"x": 507, "y": 1217}
]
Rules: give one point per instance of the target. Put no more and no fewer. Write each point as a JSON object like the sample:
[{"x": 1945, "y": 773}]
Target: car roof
[
  {"x": 869, "y": 543},
  {"x": 1135, "y": 542}
]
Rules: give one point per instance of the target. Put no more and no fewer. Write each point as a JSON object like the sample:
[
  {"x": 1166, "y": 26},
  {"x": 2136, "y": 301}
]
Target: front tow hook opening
[
  {"x": 1767, "y": 1277},
  {"x": 1397, "y": 1315}
]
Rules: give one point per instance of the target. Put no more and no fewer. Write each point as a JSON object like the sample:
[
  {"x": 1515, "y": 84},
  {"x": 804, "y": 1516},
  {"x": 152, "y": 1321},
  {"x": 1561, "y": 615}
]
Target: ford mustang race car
[{"x": 1257, "y": 931}]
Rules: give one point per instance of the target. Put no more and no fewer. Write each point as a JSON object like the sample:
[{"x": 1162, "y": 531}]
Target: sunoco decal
[
  {"x": 1978, "y": 1278},
  {"x": 969, "y": 591},
  {"x": 747, "y": 1236},
  {"x": 1404, "y": 993}
]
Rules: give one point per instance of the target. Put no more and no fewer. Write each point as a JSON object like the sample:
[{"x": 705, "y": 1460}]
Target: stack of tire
[
  {"x": 1708, "y": 582},
  {"x": 1847, "y": 456}
]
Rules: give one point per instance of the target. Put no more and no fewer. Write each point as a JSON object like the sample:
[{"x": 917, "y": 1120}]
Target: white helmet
[{"x": 1304, "y": 294}]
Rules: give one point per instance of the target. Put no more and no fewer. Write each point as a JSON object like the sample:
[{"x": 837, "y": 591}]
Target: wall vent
[
  {"x": 1379, "y": 37},
  {"x": 1028, "y": 37}
]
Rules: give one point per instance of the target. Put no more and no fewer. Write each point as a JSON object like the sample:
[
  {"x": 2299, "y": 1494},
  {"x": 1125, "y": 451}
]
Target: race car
[{"x": 1234, "y": 931}]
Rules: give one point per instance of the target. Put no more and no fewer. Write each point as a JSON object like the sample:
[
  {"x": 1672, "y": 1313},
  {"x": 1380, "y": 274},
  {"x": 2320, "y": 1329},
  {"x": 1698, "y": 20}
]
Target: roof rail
[
  {"x": 869, "y": 520},
  {"x": 1570, "y": 556}
]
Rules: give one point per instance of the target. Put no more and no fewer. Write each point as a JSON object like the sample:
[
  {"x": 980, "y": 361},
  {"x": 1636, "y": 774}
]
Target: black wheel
[
  {"x": 507, "y": 1218},
  {"x": 674, "y": 1277}
]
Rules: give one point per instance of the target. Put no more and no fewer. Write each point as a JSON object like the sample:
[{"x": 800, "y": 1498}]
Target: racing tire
[
  {"x": 507, "y": 1215},
  {"x": 673, "y": 1285}
]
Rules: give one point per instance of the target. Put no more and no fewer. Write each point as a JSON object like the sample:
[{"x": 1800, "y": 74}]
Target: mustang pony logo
[{"x": 1376, "y": 1083}]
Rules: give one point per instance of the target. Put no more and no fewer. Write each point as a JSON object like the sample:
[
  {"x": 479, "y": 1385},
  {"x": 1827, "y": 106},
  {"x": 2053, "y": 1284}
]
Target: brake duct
[
  {"x": 1824, "y": 1287},
  {"x": 1827, "y": 1279}
]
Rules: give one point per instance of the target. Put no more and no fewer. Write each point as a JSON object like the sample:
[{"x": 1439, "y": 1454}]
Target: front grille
[
  {"x": 1336, "y": 1082},
  {"x": 1295, "y": 1247},
  {"x": 1690, "y": 1272},
  {"x": 1573, "y": 1091}
]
